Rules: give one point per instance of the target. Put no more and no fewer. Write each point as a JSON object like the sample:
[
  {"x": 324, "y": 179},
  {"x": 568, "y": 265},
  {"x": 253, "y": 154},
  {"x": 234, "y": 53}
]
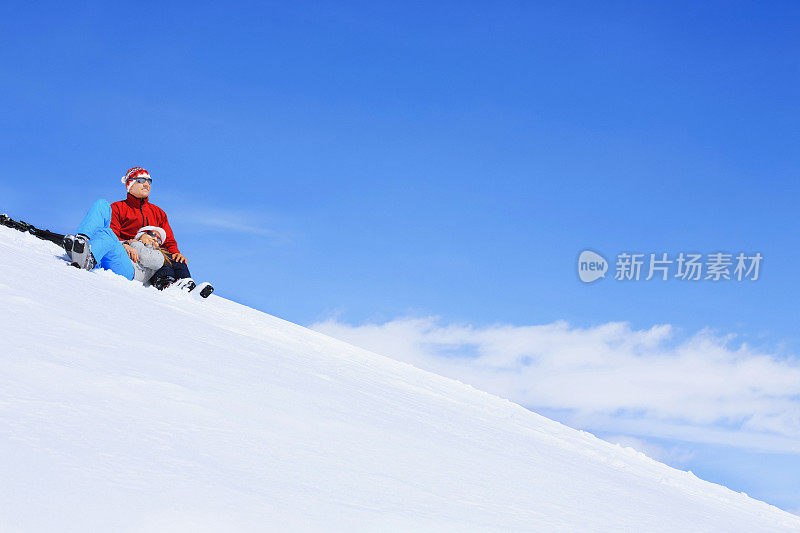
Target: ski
[
  {"x": 204, "y": 289},
  {"x": 21, "y": 225}
]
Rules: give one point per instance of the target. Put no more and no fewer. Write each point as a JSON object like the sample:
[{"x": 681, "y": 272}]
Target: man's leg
[
  {"x": 171, "y": 274},
  {"x": 106, "y": 248},
  {"x": 181, "y": 270},
  {"x": 110, "y": 254},
  {"x": 172, "y": 269},
  {"x": 164, "y": 276},
  {"x": 97, "y": 218}
]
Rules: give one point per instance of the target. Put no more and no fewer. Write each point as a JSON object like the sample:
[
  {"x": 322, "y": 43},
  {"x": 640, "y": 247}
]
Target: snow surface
[{"x": 126, "y": 409}]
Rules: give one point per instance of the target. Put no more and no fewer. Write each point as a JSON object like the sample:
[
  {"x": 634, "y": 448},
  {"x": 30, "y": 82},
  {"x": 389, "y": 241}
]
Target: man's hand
[
  {"x": 178, "y": 257},
  {"x": 133, "y": 254}
]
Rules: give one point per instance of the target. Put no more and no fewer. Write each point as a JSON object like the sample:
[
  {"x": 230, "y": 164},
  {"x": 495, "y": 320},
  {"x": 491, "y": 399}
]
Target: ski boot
[
  {"x": 79, "y": 251},
  {"x": 184, "y": 284},
  {"x": 163, "y": 282}
]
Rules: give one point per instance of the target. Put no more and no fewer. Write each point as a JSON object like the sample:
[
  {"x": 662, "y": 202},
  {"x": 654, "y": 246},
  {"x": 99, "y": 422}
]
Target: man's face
[{"x": 140, "y": 190}]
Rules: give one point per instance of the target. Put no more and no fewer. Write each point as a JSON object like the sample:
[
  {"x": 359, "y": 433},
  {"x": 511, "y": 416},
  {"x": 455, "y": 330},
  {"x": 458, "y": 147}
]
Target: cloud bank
[
  {"x": 229, "y": 221},
  {"x": 611, "y": 377}
]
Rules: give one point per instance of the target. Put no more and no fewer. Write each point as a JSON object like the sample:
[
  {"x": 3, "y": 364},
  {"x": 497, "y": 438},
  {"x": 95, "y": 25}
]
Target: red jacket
[{"x": 132, "y": 214}]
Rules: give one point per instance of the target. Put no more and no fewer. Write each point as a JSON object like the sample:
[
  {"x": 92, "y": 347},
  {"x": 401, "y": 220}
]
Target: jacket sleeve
[
  {"x": 115, "y": 222},
  {"x": 170, "y": 244},
  {"x": 148, "y": 257}
]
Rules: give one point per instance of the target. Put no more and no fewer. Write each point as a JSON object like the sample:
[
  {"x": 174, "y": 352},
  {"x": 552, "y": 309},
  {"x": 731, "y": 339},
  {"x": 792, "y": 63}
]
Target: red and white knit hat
[{"x": 132, "y": 173}]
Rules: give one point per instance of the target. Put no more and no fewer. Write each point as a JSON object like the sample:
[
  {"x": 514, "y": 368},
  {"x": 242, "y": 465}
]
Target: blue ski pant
[{"x": 106, "y": 247}]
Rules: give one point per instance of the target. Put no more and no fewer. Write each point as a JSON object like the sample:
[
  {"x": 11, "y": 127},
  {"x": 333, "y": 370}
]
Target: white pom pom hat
[{"x": 158, "y": 230}]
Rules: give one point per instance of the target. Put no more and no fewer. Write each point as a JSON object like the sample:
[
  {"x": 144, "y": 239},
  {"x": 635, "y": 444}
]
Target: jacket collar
[{"x": 136, "y": 203}]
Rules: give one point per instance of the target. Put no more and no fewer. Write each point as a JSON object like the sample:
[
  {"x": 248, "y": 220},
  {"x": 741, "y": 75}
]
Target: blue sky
[{"x": 375, "y": 161}]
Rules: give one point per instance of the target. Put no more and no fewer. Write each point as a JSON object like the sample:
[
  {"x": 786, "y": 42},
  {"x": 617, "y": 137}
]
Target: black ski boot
[{"x": 163, "y": 282}]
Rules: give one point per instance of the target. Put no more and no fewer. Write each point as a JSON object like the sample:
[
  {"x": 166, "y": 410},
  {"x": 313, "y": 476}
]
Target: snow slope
[{"x": 125, "y": 409}]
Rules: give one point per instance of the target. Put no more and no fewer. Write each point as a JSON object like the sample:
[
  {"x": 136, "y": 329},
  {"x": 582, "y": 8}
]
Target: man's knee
[
  {"x": 98, "y": 217},
  {"x": 102, "y": 208}
]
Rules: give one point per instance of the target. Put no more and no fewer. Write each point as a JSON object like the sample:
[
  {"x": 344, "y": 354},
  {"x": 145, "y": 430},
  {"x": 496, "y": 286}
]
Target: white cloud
[
  {"x": 609, "y": 377},
  {"x": 228, "y": 220}
]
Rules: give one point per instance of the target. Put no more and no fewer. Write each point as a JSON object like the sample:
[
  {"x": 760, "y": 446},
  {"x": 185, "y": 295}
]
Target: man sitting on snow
[
  {"x": 104, "y": 236},
  {"x": 133, "y": 213}
]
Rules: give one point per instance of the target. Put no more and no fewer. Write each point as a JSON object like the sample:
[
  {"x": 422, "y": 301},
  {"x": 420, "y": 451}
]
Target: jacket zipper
[{"x": 144, "y": 219}]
